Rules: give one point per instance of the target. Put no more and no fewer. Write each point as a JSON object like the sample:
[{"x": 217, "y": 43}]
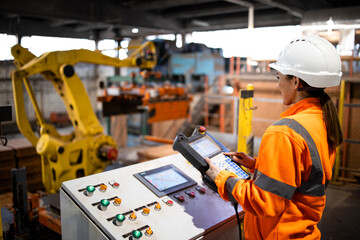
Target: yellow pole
[
  {"x": 245, "y": 118},
  {"x": 341, "y": 114}
]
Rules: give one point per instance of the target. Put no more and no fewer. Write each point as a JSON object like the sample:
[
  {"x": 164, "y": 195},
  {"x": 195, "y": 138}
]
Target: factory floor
[{"x": 341, "y": 217}]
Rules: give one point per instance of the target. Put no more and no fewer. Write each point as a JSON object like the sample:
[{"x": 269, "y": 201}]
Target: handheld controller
[{"x": 201, "y": 145}]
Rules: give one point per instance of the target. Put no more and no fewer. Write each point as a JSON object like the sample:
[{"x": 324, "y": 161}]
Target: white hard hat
[{"x": 312, "y": 59}]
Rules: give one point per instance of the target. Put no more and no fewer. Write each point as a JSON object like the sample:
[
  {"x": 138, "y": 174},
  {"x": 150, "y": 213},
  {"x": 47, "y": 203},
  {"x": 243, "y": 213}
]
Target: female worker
[{"x": 286, "y": 198}]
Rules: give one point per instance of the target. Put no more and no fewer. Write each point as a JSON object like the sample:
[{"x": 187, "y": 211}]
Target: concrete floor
[{"x": 341, "y": 218}]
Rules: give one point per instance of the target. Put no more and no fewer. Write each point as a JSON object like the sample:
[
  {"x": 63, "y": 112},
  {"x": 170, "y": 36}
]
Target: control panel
[{"x": 159, "y": 199}]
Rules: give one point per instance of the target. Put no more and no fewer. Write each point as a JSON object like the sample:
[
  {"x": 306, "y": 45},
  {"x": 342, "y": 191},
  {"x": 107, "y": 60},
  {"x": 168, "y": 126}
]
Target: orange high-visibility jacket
[{"x": 286, "y": 198}]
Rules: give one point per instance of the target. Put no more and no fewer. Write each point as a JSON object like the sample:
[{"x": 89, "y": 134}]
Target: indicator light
[
  {"x": 116, "y": 185},
  {"x": 145, "y": 211},
  {"x": 117, "y": 201},
  {"x": 133, "y": 216},
  {"x": 136, "y": 234},
  {"x": 119, "y": 218},
  {"x": 89, "y": 190},
  {"x": 103, "y": 188},
  {"x": 157, "y": 207},
  {"x": 104, "y": 203},
  {"x": 149, "y": 232}
]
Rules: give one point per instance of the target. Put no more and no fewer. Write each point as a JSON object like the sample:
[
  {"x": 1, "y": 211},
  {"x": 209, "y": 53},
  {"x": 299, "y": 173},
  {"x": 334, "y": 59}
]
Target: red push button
[
  {"x": 169, "y": 202},
  {"x": 202, "y": 129}
]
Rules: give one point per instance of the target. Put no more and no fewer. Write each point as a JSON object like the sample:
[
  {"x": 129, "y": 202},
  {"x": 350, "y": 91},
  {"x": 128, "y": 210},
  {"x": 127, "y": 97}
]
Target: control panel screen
[
  {"x": 205, "y": 146},
  {"x": 165, "y": 180}
]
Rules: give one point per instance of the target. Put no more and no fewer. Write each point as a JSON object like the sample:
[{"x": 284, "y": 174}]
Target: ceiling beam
[
  {"x": 292, "y": 11},
  {"x": 91, "y": 11},
  {"x": 265, "y": 20},
  {"x": 161, "y": 4}
]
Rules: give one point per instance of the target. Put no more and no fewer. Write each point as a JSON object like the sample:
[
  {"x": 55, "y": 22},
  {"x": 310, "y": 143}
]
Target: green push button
[
  {"x": 119, "y": 218},
  {"x": 89, "y": 190},
  {"x": 136, "y": 234},
  {"x": 104, "y": 202}
]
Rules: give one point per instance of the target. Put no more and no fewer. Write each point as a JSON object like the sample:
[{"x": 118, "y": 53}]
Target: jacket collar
[{"x": 301, "y": 106}]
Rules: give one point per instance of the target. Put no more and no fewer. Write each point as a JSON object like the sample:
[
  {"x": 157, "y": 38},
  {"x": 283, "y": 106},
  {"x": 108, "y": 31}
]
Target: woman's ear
[{"x": 297, "y": 82}]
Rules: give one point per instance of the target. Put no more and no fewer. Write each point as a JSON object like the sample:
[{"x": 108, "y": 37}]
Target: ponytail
[{"x": 333, "y": 128}]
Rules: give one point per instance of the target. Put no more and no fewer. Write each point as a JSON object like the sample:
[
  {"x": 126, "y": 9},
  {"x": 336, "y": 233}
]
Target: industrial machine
[
  {"x": 159, "y": 199},
  {"x": 87, "y": 150}
]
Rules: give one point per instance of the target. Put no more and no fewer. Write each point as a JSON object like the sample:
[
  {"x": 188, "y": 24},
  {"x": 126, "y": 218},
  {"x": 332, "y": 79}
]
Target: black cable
[{"x": 238, "y": 219}]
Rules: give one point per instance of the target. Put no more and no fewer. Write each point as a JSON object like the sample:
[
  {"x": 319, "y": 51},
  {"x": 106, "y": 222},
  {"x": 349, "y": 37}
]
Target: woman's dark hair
[{"x": 333, "y": 128}]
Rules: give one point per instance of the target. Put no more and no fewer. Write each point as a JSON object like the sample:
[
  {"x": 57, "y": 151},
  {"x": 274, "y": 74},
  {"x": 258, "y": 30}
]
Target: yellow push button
[
  {"x": 103, "y": 188},
  {"x": 145, "y": 211},
  {"x": 117, "y": 201}
]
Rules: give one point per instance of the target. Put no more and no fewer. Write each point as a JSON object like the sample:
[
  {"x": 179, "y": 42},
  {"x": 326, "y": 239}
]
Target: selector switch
[
  {"x": 119, "y": 218},
  {"x": 104, "y": 203},
  {"x": 149, "y": 232},
  {"x": 200, "y": 189},
  {"x": 179, "y": 197},
  {"x": 157, "y": 207},
  {"x": 191, "y": 194},
  {"x": 89, "y": 190},
  {"x": 132, "y": 216}
]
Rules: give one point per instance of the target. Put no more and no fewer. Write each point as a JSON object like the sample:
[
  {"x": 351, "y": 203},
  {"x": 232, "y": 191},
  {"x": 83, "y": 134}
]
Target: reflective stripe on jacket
[{"x": 286, "y": 198}]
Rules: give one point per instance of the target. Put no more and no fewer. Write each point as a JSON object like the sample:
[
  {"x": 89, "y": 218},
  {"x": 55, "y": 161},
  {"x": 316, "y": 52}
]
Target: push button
[
  {"x": 104, "y": 204},
  {"x": 136, "y": 234},
  {"x": 103, "y": 188},
  {"x": 119, "y": 219},
  {"x": 117, "y": 201},
  {"x": 89, "y": 190},
  {"x": 169, "y": 203},
  {"x": 114, "y": 184},
  {"x": 145, "y": 211}
]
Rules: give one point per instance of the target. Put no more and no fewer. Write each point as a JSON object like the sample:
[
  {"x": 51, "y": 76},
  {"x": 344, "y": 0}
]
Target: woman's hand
[
  {"x": 213, "y": 170},
  {"x": 242, "y": 158}
]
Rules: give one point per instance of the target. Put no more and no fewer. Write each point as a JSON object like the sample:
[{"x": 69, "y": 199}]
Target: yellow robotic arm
[{"x": 87, "y": 150}]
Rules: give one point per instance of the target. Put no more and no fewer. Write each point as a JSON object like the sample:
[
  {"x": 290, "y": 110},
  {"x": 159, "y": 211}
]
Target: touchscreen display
[
  {"x": 205, "y": 146},
  {"x": 165, "y": 179}
]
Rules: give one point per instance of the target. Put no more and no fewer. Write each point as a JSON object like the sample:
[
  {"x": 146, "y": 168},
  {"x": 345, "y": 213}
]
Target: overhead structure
[{"x": 108, "y": 19}]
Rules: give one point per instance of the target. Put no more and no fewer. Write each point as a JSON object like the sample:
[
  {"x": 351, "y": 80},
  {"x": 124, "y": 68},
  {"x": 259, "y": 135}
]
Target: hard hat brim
[{"x": 324, "y": 79}]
